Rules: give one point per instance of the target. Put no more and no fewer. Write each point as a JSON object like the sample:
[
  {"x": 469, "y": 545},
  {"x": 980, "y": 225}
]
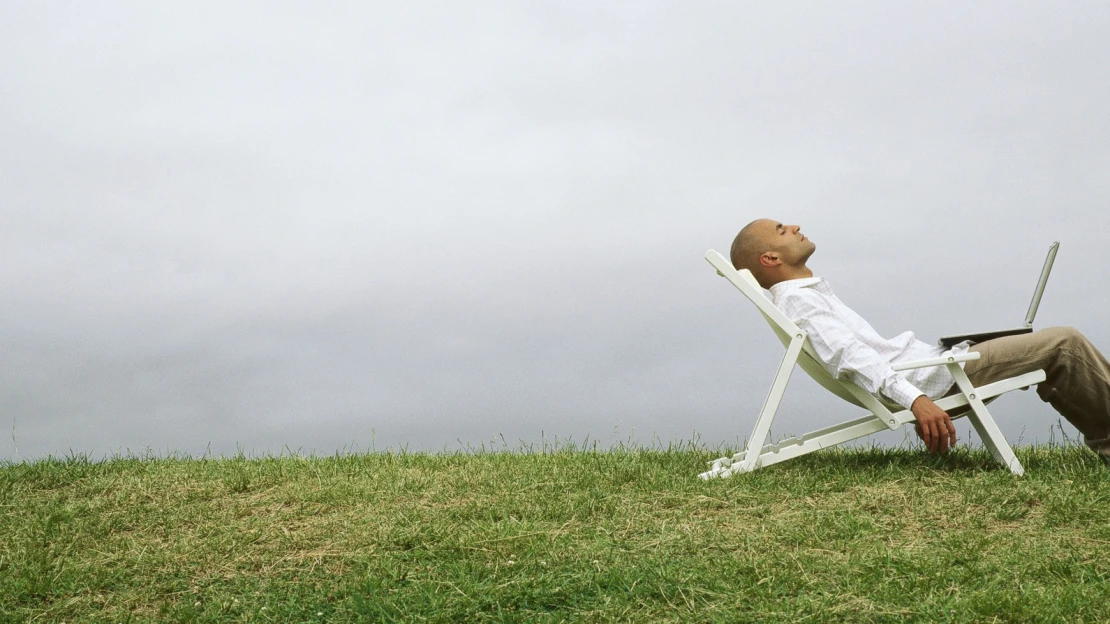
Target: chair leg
[
  {"x": 770, "y": 406},
  {"x": 984, "y": 424},
  {"x": 853, "y": 429}
]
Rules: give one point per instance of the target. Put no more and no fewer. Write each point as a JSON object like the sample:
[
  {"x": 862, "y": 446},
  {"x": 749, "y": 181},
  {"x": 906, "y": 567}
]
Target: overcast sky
[{"x": 314, "y": 227}]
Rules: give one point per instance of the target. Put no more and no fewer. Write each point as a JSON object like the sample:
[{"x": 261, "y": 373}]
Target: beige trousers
[{"x": 1077, "y": 376}]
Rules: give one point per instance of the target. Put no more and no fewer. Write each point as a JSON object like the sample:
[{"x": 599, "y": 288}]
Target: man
[{"x": 1077, "y": 380}]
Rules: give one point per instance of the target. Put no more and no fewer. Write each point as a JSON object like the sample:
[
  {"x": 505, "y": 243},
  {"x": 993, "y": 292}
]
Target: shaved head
[
  {"x": 749, "y": 245},
  {"x": 773, "y": 252}
]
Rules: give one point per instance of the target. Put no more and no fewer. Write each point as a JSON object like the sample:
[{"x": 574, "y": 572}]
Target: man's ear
[{"x": 770, "y": 259}]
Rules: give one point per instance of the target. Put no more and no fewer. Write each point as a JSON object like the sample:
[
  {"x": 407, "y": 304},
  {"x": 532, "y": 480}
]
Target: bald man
[{"x": 1077, "y": 380}]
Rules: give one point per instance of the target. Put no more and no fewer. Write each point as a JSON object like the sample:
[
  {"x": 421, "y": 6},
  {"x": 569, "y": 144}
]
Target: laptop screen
[{"x": 1036, "y": 302}]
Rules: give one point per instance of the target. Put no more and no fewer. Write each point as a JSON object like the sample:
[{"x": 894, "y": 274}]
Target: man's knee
[
  {"x": 1070, "y": 346},
  {"x": 1066, "y": 337}
]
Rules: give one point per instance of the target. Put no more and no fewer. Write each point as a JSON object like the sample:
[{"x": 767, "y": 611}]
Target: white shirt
[{"x": 848, "y": 346}]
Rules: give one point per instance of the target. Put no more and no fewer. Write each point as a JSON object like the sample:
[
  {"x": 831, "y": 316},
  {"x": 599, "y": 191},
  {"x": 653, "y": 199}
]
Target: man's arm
[{"x": 842, "y": 353}]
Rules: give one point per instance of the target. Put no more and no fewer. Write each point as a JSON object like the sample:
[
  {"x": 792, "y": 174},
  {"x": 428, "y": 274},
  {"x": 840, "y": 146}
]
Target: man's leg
[{"x": 1077, "y": 382}]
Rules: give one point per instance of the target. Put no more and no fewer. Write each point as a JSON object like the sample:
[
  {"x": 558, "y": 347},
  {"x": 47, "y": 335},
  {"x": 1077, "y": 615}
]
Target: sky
[{"x": 279, "y": 227}]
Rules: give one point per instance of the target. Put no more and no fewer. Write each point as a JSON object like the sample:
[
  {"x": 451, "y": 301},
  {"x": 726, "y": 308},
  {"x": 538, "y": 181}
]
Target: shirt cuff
[{"x": 902, "y": 392}]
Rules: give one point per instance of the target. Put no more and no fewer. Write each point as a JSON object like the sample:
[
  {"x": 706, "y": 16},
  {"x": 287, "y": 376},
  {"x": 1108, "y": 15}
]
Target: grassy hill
[{"x": 564, "y": 535}]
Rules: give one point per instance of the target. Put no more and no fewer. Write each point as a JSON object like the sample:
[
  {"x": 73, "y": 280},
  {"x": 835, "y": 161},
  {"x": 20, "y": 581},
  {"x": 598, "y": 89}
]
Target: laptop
[{"x": 948, "y": 341}]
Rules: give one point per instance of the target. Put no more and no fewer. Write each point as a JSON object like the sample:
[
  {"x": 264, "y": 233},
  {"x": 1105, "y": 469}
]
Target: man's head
[{"x": 773, "y": 252}]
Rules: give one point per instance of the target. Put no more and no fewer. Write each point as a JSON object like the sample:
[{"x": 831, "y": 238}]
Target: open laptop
[{"x": 948, "y": 341}]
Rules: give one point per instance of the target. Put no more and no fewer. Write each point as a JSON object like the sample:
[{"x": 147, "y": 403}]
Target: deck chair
[{"x": 883, "y": 414}]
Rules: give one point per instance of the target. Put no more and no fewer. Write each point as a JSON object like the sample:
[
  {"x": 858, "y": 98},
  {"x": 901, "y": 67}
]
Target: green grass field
[{"x": 564, "y": 535}]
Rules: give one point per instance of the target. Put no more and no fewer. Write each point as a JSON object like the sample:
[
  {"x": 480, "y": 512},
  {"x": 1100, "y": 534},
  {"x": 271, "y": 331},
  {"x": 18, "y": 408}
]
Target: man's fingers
[
  {"x": 933, "y": 426},
  {"x": 946, "y": 434},
  {"x": 930, "y": 436}
]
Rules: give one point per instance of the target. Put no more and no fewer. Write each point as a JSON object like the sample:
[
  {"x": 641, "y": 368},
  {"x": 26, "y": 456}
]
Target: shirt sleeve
[{"x": 841, "y": 352}]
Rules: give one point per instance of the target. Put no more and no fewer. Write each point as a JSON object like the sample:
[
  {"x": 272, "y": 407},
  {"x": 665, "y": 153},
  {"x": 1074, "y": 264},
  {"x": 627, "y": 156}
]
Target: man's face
[{"x": 787, "y": 241}]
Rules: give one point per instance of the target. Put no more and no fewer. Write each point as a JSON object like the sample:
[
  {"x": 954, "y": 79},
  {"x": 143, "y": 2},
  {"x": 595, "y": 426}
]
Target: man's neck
[{"x": 793, "y": 273}]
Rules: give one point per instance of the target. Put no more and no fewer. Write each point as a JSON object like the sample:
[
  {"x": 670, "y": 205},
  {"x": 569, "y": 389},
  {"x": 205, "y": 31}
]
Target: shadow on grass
[
  {"x": 959, "y": 458},
  {"x": 879, "y": 463}
]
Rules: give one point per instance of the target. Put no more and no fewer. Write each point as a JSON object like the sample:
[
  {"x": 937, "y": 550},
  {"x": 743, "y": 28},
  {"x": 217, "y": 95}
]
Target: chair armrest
[{"x": 946, "y": 358}]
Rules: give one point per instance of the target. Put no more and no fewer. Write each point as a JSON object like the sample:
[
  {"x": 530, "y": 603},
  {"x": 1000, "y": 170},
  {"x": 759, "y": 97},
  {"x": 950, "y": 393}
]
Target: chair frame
[{"x": 800, "y": 352}]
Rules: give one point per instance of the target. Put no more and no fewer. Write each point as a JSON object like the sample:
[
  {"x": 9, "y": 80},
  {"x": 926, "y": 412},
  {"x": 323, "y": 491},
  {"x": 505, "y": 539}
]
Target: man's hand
[{"x": 933, "y": 425}]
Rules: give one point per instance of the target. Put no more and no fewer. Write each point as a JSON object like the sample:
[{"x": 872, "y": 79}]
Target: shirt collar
[{"x": 788, "y": 285}]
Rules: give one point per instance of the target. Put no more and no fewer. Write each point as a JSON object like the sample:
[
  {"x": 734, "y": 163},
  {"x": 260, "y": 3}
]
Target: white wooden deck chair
[{"x": 800, "y": 351}]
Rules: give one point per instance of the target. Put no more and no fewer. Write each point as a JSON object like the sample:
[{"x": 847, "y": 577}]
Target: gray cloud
[{"x": 285, "y": 225}]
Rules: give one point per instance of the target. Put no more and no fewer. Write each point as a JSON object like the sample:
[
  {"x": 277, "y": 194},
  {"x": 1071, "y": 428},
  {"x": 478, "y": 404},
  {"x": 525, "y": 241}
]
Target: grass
[{"x": 571, "y": 534}]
